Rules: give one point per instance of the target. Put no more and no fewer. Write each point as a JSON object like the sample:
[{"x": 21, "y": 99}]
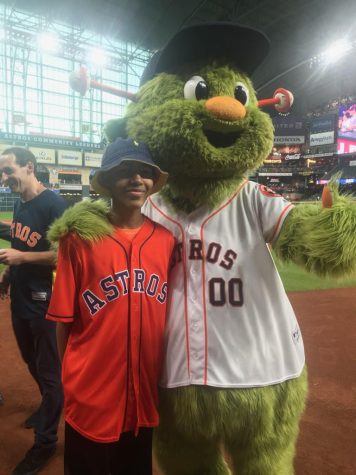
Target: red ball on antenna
[
  {"x": 286, "y": 100},
  {"x": 282, "y": 100},
  {"x": 80, "y": 80}
]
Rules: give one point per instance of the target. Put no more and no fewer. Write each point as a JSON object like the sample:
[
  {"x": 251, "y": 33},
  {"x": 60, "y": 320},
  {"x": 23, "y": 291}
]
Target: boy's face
[{"x": 130, "y": 183}]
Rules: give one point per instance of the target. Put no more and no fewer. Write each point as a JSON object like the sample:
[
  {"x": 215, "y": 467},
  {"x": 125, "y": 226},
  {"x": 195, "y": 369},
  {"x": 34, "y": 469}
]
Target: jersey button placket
[{"x": 195, "y": 294}]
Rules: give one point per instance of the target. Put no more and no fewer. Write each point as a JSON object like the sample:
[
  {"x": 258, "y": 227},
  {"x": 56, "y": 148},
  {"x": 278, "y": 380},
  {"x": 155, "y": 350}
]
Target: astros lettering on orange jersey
[
  {"x": 141, "y": 283},
  {"x": 19, "y": 231}
]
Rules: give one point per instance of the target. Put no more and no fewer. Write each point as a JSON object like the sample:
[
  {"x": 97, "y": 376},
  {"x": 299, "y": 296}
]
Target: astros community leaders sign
[{"x": 44, "y": 140}]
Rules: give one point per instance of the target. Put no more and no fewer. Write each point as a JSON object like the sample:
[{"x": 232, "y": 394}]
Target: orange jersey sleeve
[{"x": 64, "y": 301}]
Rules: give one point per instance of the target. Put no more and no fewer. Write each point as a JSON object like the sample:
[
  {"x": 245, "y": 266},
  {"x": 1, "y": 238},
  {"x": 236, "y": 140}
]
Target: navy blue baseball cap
[
  {"x": 123, "y": 150},
  {"x": 243, "y": 46}
]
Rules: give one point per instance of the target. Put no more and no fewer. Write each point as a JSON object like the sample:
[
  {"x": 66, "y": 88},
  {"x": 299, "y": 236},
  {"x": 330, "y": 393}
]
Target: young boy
[{"x": 109, "y": 299}]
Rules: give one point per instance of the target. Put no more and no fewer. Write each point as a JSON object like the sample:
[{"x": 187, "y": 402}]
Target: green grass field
[
  {"x": 294, "y": 278},
  {"x": 5, "y": 215}
]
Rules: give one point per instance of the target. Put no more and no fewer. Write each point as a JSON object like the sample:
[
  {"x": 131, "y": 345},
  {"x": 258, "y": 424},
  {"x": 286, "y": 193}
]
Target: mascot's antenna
[{"x": 80, "y": 81}]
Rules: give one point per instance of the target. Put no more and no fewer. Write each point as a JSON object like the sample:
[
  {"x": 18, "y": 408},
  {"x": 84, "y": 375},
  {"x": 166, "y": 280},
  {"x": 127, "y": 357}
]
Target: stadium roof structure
[{"x": 299, "y": 31}]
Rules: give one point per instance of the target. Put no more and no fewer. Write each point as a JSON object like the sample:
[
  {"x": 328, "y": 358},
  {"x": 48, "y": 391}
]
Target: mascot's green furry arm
[
  {"x": 323, "y": 240},
  {"x": 87, "y": 219},
  {"x": 234, "y": 381}
]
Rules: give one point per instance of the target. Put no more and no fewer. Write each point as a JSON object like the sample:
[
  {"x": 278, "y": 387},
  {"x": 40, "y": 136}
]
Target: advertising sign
[
  {"x": 322, "y": 138},
  {"x": 324, "y": 123},
  {"x": 69, "y": 157},
  {"x": 288, "y": 130},
  {"x": 275, "y": 174},
  {"x": 28, "y": 139},
  {"x": 92, "y": 160},
  {"x": 44, "y": 155},
  {"x": 322, "y": 130},
  {"x": 284, "y": 152}
]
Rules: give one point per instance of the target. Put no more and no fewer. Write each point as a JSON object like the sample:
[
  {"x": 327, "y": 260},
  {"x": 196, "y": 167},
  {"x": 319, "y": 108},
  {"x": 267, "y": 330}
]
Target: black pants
[
  {"x": 129, "y": 456},
  {"x": 36, "y": 339}
]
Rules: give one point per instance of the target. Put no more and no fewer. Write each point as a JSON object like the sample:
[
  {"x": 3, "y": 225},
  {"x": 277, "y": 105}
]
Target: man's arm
[
  {"x": 5, "y": 231},
  {"x": 13, "y": 257},
  {"x": 63, "y": 332}
]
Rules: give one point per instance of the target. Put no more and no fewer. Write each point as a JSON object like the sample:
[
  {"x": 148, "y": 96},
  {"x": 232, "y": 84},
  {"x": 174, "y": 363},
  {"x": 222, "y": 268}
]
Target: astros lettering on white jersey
[{"x": 230, "y": 323}]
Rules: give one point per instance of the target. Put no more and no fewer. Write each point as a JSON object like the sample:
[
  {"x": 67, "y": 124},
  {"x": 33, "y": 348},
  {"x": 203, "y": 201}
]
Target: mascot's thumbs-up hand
[{"x": 322, "y": 237}]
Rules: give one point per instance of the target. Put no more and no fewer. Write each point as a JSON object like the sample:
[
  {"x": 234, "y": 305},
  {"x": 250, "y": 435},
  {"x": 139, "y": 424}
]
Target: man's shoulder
[
  {"x": 53, "y": 202},
  {"x": 52, "y": 197}
]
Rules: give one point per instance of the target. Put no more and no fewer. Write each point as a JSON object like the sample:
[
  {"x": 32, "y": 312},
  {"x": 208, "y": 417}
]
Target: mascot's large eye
[
  {"x": 196, "y": 88},
  {"x": 241, "y": 93}
]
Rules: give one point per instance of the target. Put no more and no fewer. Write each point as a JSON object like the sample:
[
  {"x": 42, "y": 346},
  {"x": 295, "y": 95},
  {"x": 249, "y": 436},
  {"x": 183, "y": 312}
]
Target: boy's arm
[
  {"x": 63, "y": 331},
  {"x": 64, "y": 300}
]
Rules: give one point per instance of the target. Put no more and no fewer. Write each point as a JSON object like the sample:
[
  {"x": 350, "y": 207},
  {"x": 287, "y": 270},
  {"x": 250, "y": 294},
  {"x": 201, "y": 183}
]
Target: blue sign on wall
[
  {"x": 324, "y": 123},
  {"x": 49, "y": 141}
]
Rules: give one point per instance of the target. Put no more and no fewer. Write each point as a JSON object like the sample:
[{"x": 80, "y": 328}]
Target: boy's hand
[{"x": 12, "y": 257}]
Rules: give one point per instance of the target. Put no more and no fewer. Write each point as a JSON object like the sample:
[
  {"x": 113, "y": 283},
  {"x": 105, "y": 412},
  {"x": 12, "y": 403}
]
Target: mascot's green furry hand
[{"x": 322, "y": 238}]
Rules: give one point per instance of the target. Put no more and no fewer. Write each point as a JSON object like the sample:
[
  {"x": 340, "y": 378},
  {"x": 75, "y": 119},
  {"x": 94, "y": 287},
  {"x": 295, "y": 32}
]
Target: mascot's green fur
[
  {"x": 89, "y": 220},
  {"x": 208, "y": 151}
]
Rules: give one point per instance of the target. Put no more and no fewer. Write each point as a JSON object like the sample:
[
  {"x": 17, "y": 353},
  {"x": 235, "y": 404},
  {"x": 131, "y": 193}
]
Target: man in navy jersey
[
  {"x": 29, "y": 274},
  {"x": 4, "y": 234}
]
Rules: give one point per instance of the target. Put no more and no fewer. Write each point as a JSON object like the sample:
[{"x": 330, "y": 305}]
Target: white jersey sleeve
[{"x": 272, "y": 209}]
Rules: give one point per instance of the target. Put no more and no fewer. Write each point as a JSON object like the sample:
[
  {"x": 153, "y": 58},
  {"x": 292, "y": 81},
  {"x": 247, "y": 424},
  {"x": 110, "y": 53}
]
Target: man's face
[
  {"x": 13, "y": 175},
  {"x": 130, "y": 183}
]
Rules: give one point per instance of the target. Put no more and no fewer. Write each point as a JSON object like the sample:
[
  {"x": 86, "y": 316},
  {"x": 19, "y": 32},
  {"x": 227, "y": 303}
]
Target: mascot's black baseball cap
[
  {"x": 123, "y": 150},
  {"x": 243, "y": 46}
]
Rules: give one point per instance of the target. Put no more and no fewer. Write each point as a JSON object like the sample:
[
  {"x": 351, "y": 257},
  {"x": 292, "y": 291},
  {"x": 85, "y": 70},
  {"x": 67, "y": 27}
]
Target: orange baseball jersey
[
  {"x": 114, "y": 294},
  {"x": 233, "y": 325}
]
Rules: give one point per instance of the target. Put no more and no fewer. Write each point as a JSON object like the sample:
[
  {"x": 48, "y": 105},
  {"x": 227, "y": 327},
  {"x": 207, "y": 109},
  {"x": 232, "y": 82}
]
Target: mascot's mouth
[{"x": 220, "y": 139}]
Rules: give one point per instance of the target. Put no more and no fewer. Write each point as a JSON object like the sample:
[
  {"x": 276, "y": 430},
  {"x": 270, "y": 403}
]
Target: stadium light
[
  {"x": 336, "y": 51},
  {"x": 48, "y": 42},
  {"x": 97, "y": 57},
  {"x": 332, "y": 54}
]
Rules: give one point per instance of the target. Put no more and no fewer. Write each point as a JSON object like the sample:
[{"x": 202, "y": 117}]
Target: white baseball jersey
[{"x": 229, "y": 323}]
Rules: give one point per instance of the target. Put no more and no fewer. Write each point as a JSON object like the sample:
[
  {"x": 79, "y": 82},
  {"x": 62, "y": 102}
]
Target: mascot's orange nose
[{"x": 225, "y": 108}]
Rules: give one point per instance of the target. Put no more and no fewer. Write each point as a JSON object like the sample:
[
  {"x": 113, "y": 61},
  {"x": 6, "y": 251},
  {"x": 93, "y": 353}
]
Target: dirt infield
[{"x": 327, "y": 443}]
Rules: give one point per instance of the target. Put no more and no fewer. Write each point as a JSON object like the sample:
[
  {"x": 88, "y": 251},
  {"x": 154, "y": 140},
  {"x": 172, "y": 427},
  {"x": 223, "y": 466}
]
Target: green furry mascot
[{"x": 234, "y": 381}]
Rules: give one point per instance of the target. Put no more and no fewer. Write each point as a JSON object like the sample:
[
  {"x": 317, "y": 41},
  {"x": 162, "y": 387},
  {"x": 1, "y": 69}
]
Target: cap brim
[{"x": 101, "y": 190}]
